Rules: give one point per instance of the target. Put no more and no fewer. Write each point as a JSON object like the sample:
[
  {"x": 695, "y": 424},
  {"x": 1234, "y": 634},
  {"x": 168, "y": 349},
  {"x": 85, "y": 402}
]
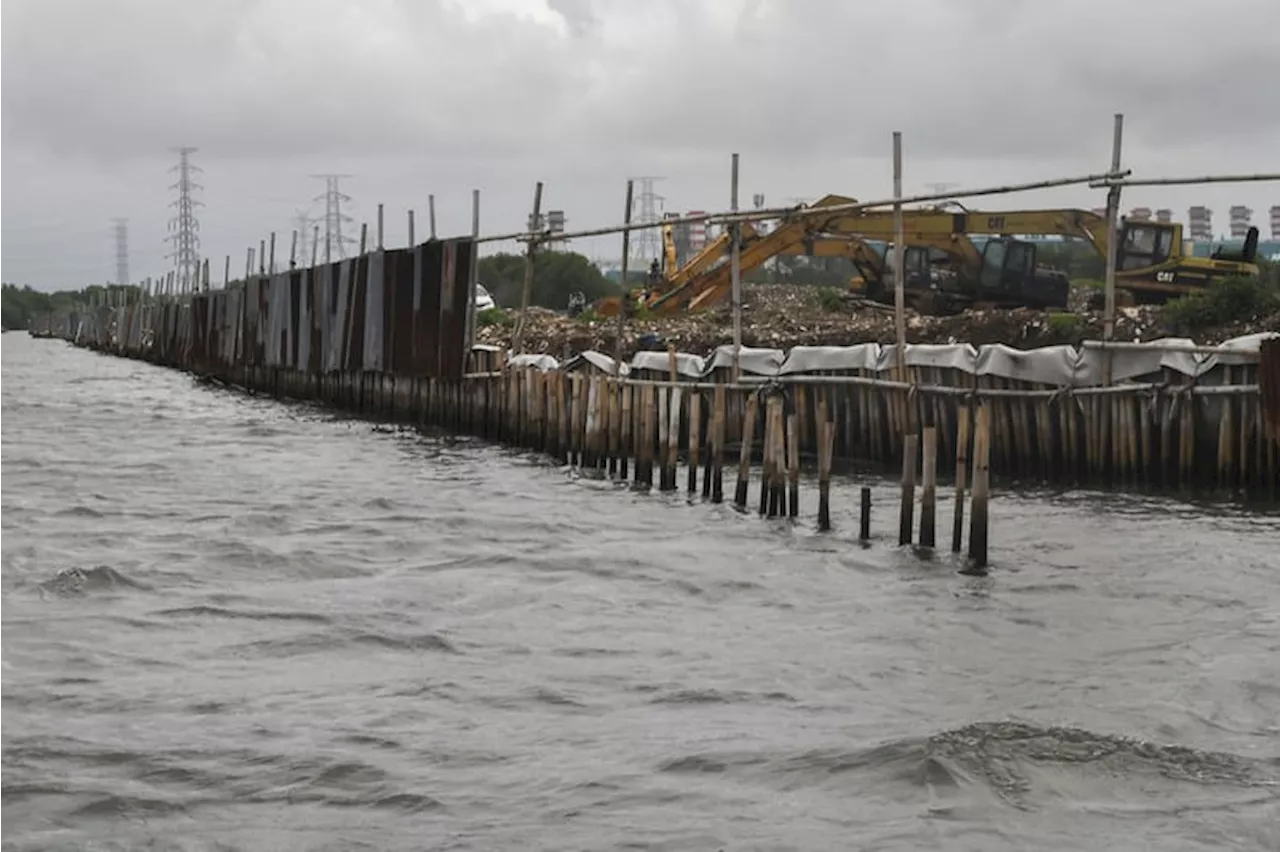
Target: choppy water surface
[{"x": 231, "y": 623}]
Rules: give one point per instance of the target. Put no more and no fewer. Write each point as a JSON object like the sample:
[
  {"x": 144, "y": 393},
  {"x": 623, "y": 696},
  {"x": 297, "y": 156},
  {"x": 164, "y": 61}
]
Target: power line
[
  {"x": 334, "y": 218},
  {"x": 185, "y": 227},
  {"x": 122, "y": 251}
]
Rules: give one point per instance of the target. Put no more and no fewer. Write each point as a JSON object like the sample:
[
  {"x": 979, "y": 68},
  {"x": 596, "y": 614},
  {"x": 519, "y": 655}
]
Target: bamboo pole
[
  {"x": 910, "y": 449},
  {"x": 735, "y": 271},
  {"x": 864, "y": 514},
  {"x": 1113, "y": 217},
  {"x": 744, "y": 455},
  {"x": 981, "y": 488},
  {"x": 625, "y": 297},
  {"x": 899, "y": 260},
  {"x": 962, "y": 463},
  {"x": 929, "y": 491},
  {"x": 517, "y": 343},
  {"x": 473, "y": 279}
]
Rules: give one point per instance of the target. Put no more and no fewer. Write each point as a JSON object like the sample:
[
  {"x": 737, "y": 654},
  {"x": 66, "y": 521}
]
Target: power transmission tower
[
  {"x": 302, "y": 224},
  {"x": 184, "y": 226},
  {"x": 122, "y": 252},
  {"x": 334, "y": 240},
  {"x": 648, "y": 243}
]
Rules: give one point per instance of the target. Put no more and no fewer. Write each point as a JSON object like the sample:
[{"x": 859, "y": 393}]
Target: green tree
[
  {"x": 20, "y": 305},
  {"x": 556, "y": 274}
]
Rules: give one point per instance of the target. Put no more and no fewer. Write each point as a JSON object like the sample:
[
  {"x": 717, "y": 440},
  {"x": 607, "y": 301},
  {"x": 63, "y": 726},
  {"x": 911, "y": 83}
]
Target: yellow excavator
[
  {"x": 709, "y": 274},
  {"x": 707, "y": 278},
  {"x": 945, "y": 270},
  {"x": 1151, "y": 265}
]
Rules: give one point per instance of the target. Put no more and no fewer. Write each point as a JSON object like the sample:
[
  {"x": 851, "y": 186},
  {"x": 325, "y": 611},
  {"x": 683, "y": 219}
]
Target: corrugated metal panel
[{"x": 374, "y": 314}]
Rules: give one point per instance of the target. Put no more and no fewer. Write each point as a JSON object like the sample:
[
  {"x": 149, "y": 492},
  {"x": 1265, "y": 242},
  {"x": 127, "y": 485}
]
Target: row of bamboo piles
[
  {"x": 1218, "y": 438},
  {"x": 651, "y": 432}
]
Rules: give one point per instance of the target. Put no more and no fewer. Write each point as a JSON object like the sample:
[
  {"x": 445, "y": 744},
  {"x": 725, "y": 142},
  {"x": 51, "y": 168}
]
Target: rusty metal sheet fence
[{"x": 402, "y": 311}]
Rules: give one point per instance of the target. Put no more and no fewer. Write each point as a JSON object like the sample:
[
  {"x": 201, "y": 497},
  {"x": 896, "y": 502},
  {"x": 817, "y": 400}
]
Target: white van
[{"x": 484, "y": 301}]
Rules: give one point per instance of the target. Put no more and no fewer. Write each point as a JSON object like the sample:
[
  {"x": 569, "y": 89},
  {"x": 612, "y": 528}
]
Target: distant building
[
  {"x": 697, "y": 232},
  {"x": 1239, "y": 220},
  {"x": 1164, "y": 216},
  {"x": 1140, "y": 214},
  {"x": 1275, "y": 222},
  {"x": 1200, "y": 223}
]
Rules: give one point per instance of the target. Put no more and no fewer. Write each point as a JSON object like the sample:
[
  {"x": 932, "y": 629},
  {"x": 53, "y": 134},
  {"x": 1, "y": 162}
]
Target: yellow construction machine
[
  {"x": 946, "y": 271},
  {"x": 1151, "y": 265}
]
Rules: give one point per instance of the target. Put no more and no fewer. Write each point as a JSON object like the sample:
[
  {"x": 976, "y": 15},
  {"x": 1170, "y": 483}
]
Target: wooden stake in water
[
  {"x": 793, "y": 465},
  {"x": 695, "y": 425},
  {"x": 744, "y": 455},
  {"x": 981, "y": 488},
  {"x": 826, "y": 447},
  {"x": 910, "y": 449},
  {"x": 626, "y": 440},
  {"x": 864, "y": 514},
  {"x": 929, "y": 493},
  {"x": 766, "y": 454},
  {"x": 717, "y": 447},
  {"x": 962, "y": 464}
]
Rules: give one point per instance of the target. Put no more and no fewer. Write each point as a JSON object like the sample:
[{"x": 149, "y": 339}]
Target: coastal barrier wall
[{"x": 385, "y": 335}]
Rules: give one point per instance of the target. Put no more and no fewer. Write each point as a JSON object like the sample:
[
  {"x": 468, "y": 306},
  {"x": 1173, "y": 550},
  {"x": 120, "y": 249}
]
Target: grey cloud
[
  {"x": 417, "y": 96},
  {"x": 578, "y": 14},
  {"x": 279, "y": 79}
]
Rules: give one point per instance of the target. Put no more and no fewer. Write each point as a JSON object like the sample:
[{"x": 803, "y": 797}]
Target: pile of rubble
[{"x": 781, "y": 316}]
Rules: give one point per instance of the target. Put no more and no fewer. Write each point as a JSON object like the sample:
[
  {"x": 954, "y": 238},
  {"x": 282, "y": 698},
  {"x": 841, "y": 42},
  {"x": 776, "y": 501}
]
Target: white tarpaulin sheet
[
  {"x": 754, "y": 362},
  {"x": 689, "y": 366},
  {"x": 543, "y": 363},
  {"x": 1055, "y": 366},
  {"x": 593, "y": 359},
  {"x": 814, "y": 359}
]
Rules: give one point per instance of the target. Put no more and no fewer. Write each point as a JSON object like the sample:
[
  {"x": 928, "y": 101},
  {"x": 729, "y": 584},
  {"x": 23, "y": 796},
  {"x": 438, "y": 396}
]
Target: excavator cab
[
  {"x": 877, "y": 272},
  {"x": 1146, "y": 244},
  {"x": 1009, "y": 276}
]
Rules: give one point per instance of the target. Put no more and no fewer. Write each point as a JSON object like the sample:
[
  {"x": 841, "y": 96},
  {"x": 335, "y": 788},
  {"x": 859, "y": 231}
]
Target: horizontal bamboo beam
[
  {"x": 1183, "y": 181},
  {"x": 799, "y": 210}
]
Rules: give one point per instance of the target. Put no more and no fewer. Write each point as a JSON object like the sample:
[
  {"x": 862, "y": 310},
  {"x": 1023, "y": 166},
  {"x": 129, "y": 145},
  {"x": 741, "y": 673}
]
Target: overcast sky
[{"x": 413, "y": 97}]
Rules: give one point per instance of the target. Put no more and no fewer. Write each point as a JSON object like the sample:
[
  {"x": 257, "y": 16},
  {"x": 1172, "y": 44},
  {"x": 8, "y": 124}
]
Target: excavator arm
[
  {"x": 701, "y": 283},
  {"x": 669, "y": 248},
  {"x": 942, "y": 228}
]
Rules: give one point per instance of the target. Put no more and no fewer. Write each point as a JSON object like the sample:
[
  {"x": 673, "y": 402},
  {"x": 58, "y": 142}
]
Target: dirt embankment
[{"x": 781, "y": 316}]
